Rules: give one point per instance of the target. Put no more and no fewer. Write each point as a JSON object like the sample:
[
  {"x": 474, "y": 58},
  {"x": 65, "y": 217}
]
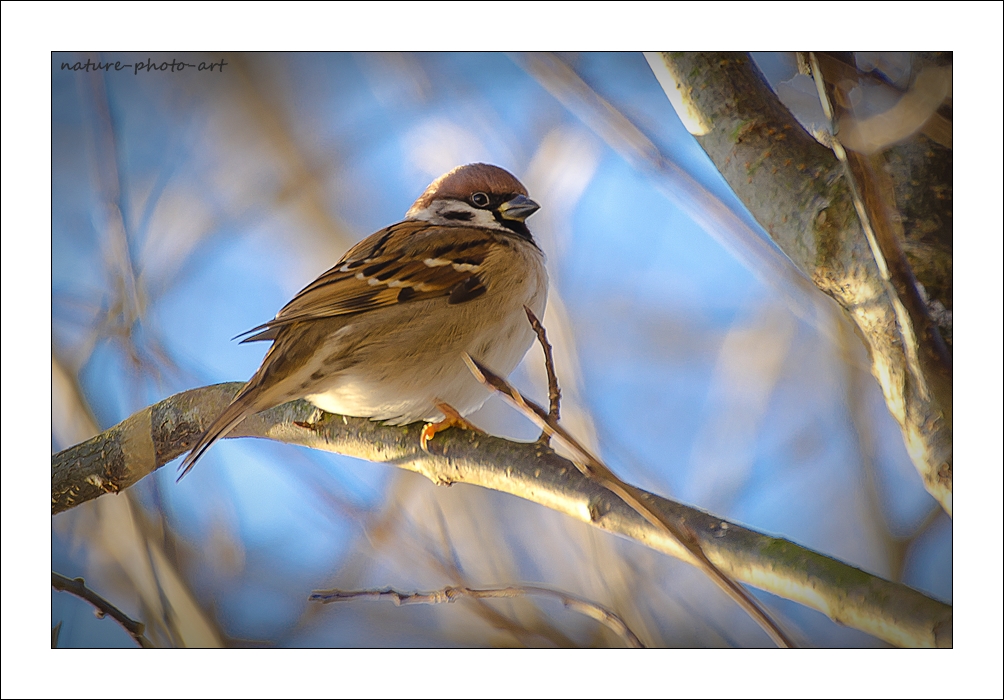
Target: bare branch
[
  {"x": 76, "y": 587},
  {"x": 453, "y": 593},
  {"x": 123, "y": 454},
  {"x": 592, "y": 467}
]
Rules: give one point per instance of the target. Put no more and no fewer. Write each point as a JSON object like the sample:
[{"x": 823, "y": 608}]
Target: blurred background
[{"x": 188, "y": 207}]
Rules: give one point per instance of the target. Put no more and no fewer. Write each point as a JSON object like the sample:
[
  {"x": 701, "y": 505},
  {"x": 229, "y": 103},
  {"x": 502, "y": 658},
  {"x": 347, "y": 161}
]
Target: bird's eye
[{"x": 479, "y": 199}]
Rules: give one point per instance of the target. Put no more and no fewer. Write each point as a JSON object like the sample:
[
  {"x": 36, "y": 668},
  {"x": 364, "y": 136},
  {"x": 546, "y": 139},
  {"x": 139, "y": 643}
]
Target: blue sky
[{"x": 692, "y": 376}]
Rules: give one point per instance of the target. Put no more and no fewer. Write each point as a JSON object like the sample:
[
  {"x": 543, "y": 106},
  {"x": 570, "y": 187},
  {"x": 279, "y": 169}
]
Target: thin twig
[
  {"x": 593, "y": 468},
  {"x": 553, "y": 390},
  {"x": 450, "y": 594},
  {"x": 76, "y": 587},
  {"x": 451, "y": 569}
]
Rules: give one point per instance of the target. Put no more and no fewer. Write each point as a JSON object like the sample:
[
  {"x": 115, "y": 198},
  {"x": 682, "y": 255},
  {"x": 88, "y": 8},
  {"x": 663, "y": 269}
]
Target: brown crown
[{"x": 465, "y": 180}]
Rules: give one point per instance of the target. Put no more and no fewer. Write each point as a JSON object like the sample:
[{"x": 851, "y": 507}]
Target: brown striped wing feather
[{"x": 406, "y": 262}]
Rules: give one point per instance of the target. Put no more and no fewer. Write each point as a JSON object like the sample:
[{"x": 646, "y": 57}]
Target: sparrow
[{"x": 383, "y": 333}]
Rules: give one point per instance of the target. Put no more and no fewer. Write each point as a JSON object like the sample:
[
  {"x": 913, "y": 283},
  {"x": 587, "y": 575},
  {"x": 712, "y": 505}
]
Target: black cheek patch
[
  {"x": 470, "y": 288},
  {"x": 458, "y": 215}
]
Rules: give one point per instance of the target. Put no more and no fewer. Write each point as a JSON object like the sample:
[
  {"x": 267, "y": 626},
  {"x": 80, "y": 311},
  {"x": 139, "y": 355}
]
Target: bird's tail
[{"x": 241, "y": 407}]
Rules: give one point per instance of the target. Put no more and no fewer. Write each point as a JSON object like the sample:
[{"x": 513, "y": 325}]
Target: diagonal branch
[
  {"x": 103, "y": 607},
  {"x": 592, "y": 467},
  {"x": 125, "y": 453}
]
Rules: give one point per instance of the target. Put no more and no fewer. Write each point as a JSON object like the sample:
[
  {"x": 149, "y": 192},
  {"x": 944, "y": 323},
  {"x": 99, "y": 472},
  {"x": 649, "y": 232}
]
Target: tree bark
[
  {"x": 799, "y": 191},
  {"x": 123, "y": 454}
]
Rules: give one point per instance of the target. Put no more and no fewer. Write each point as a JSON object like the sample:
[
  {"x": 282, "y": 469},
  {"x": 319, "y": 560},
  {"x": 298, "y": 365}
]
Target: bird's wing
[{"x": 409, "y": 261}]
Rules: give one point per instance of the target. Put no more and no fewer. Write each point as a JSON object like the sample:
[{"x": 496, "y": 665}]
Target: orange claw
[{"x": 452, "y": 420}]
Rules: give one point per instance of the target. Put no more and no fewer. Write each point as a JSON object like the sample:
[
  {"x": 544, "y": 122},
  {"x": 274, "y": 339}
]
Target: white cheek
[
  {"x": 485, "y": 219},
  {"x": 437, "y": 213}
]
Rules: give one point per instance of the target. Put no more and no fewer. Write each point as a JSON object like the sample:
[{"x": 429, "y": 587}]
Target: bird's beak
[{"x": 518, "y": 208}]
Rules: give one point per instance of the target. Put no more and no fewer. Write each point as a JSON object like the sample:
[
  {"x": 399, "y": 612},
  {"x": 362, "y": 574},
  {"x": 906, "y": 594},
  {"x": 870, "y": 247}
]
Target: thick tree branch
[
  {"x": 123, "y": 454},
  {"x": 797, "y": 190}
]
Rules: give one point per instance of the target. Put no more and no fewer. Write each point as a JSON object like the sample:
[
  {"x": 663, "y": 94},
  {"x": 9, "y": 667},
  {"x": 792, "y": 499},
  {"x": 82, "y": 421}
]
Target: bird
[{"x": 383, "y": 333}]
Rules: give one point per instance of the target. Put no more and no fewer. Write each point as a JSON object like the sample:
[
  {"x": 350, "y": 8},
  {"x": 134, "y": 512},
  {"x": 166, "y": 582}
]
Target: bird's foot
[{"x": 452, "y": 420}]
